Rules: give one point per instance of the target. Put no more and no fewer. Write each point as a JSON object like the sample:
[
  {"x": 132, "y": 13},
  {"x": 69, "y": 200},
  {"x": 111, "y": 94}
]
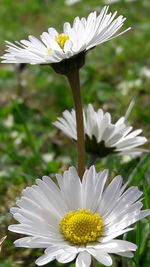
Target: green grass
[{"x": 30, "y": 100}]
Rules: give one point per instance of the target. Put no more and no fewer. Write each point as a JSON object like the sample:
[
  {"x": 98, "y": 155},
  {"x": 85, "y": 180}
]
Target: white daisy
[
  {"x": 71, "y": 2},
  {"x": 78, "y": 220},
  {"x": 102, "y": 137},
  {"x": 53, "y": 47}
]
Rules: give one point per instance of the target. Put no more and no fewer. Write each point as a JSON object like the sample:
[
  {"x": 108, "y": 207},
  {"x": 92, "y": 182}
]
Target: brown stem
[{"x": 74, "y": 81}]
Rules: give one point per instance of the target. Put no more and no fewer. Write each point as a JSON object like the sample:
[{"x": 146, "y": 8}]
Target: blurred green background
[{"x": 30, "y": 99}]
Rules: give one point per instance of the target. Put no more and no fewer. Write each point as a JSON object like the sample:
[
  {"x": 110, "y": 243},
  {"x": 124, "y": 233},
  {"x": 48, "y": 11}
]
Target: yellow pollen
[
  {"x": 61, "y": 39},
  {"x": 49, "y": 50},
  {"x": 81, "y": 226}
]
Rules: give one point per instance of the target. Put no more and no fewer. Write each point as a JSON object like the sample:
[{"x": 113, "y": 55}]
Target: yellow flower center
[
  {"x": 81, "y": 226},
  {"x": 61, "y": 39}
]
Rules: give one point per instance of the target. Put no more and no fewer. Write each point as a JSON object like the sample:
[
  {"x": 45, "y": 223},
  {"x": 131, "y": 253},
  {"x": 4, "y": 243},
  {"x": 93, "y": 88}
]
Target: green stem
[
  {"x": 74, "y": 82},
  {"x": 137, "y": 256},
  {"x": 134, "y": 263},
  {"x": 30, "y": 139},
  {"x": 146, "y": 200}
]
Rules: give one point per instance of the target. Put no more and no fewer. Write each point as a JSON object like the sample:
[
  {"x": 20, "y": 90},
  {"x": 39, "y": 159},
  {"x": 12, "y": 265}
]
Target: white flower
[
  {"x": 71, "y": 2},
  {"x": 111, "y": 1},
  {"x": 9, "y": 121},
  {"x": 126, "y": 86},
  {"x": 53, "y": 47},
  {"x": 47, "y": 157},
  {"x": 145, "y": 72},
  {"x": 102, "y": 137},
  {"x": 115, "y": 1},
  {"x": 78, "y": 220}
]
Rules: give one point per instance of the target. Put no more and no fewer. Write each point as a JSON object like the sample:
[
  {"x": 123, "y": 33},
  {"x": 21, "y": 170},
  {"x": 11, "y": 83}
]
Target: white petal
[
  {"x": 99, "y": 187},
  {"x": 115, "y": 246},
  {"x": 44, "y": 259},
  {"x": 52, "y": 32},
  {"x": 32, "y": 242},
  {"x": 110, "y": 196},
  {"x": 70, "y": 186},
  {"x": 101, "y": 256},
  {"x": 37, "y": 43},
  {"x": 98, "y": 124},
  {"x": 88, "y": 187},
  {"x": 144, "y": 213},
  {"x": 65, "y": 257},
  {"x": 127, "y": 254},
  {"x": 83, "y": 259},
  {"x": 50, "y": 255},
  {"x": 115, "y": 234},
  {"x": 53, "y": 196},
  {"x": 67, "y": 28}
]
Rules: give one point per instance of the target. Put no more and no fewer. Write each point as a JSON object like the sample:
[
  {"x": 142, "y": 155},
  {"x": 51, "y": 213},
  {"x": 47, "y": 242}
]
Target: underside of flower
[
  {"x": 81, "y": 226},
  {"x": 102, "y": 137},
  {"x": 99, "y": 149},
  {"x": 69, "y": 65},
  {"x": 61, "y": 39}
]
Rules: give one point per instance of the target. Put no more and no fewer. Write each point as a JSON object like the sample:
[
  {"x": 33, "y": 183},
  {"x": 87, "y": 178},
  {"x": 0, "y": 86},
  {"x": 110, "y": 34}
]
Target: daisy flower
[
  {"x": 102, "y": 137},
  {"x": 82, "y": 35},
  {"x": 77, "y": 220}
]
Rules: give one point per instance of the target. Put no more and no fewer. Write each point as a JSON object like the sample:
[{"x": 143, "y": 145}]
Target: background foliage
[{"x": 31, "y": 98}]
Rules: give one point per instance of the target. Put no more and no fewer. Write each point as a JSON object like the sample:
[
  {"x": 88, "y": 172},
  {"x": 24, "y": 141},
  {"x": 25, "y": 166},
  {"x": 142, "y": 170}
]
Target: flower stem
[{"x": 74, "y": 81}]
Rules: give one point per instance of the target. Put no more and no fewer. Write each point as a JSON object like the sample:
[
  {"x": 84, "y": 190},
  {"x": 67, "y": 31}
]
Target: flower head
[
  {"x": 102, "y": 137},
  {"x": 54, "y": 47},
  {"x": 77, "y": 219}
]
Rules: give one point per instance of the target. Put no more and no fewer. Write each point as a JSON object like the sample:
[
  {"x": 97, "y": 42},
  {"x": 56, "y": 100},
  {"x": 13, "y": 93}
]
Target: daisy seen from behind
[
  {"x": 77, "y": 220},
  {"x": 102, "y": 137},
  {"x": 84, "y": 34}
]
